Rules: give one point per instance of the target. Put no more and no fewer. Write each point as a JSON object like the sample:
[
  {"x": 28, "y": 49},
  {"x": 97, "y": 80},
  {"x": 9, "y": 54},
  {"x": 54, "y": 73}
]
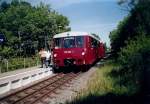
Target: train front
[{"x": 69, "y": 51}]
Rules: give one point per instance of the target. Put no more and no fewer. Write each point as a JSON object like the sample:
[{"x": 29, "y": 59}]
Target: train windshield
[
  {"x": 79, "y": 41},
  {"x": 69, "y": 42}
]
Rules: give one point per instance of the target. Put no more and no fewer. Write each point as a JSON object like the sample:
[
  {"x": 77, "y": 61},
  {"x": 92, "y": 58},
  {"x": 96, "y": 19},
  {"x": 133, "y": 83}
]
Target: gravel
[{"x": 69, "y": 92}]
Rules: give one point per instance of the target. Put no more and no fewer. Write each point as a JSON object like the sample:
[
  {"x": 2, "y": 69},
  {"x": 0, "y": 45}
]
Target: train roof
[{"x": 71, "y": 33}]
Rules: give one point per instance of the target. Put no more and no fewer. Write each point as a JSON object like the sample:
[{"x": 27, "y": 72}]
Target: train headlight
[
  {"x": 55, "y": 55},
  {"x": 83, "y": 53}
]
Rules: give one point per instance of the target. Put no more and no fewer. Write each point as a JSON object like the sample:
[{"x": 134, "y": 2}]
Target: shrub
[
  {"x": 18, "y": 63},
  {"x": 135, "y": 60}
]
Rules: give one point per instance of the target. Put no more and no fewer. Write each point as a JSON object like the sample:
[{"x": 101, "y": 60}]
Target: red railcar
[
  {"x": 101, "y": 50},
  {"x": 76, "y": 48}
]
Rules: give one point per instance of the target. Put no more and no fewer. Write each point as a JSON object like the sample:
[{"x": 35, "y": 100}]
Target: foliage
[
  {"x": 130, "y": 43},
  {"x": 27, "y": 28},
  {"x": 18, "y": 63},
  {"x": 136, "y": 23},
  {"x": 134, "y": 59},
  {"x": 6, "y": 51},
  {"x": 128, "y": 4},
  {"x": 117, "y": 38}
]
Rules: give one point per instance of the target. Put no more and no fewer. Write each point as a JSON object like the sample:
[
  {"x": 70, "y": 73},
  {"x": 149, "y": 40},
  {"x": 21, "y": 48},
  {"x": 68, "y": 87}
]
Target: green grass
[
  {"x": 103, "y": 87},
  {"x": 102, "y": 83},
  {"x": 18, "y": 63}
]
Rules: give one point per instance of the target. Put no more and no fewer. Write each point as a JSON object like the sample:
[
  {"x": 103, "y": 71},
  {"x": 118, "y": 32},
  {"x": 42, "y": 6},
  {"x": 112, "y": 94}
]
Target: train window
[
  {"x": 58, "y": 43},
  {"x": 99, "y": 44},
  {"x": 69, "y": 42},
  {"x": 79, "y": 41},
  {"x": 94, "y": 43}
]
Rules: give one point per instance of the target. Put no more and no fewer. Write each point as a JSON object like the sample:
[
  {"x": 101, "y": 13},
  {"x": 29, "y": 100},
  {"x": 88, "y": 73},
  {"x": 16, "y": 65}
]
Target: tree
[
  {"x": 131, "y": 45},
  {"x": 28, "y": 28},
  {"x": 128, "y": 4},
  {"x": 136, "y": 23},
  {"x": 4, "y": 5}
]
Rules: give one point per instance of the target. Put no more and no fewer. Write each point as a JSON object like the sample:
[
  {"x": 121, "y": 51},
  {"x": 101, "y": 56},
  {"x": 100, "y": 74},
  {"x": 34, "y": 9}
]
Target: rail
[{"x": 38, "y": 92}]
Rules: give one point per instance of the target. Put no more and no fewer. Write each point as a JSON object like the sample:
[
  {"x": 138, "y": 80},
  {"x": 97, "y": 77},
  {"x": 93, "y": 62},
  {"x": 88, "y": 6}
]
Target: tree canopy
[
  {"x": 27, "y": 27},
  {"x": 130, "y": 43},
  {"x": 136, "y": 23}
]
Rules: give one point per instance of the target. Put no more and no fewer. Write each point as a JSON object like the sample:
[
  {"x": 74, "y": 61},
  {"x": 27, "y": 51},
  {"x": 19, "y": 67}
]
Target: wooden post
[
  {"x": 24, "y": 61},
  {"x": 7, "y": 65}
]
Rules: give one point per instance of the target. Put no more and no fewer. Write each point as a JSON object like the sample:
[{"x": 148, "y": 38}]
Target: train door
[
  {"x": 91, "y": 50},
  {"x": 95, "y": 45},
  {"x": 102, "y": 50},
  {"x": 99, "y": 50}
]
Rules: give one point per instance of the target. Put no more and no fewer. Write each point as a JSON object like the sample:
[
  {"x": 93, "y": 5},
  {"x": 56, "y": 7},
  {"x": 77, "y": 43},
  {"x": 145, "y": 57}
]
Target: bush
[
  {"x": 6, "y": 51},
  {"x": 135, "y": 60},
  {"x": 18, "y": 63}
]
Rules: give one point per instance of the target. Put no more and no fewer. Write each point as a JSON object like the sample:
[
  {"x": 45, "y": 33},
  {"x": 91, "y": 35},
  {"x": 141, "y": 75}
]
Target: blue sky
[{"x": 96, "y": 16}]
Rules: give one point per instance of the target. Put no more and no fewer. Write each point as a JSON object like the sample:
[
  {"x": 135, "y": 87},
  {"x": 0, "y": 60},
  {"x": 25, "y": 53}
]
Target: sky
[{"x": 95, "y": 16}]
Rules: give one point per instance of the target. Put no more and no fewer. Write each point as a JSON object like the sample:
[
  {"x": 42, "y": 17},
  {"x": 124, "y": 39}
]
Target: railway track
[{"x": 36, "y": 94}]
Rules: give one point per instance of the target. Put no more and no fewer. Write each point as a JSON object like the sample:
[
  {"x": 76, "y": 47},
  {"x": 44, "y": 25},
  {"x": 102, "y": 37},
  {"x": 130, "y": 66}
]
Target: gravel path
[{"x": 70, "y": 92}]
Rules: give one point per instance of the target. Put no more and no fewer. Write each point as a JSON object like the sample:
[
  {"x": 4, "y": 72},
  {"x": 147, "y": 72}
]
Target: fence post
[
  {"x": 0, "y": 64},
  {"x": 0, "y": 69},
  {"x": 6, "y": 65},
  {"x": 37, "y": 62},
  {"x": 28, "y": 64},
  {"x": 24, "y": 62}
]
